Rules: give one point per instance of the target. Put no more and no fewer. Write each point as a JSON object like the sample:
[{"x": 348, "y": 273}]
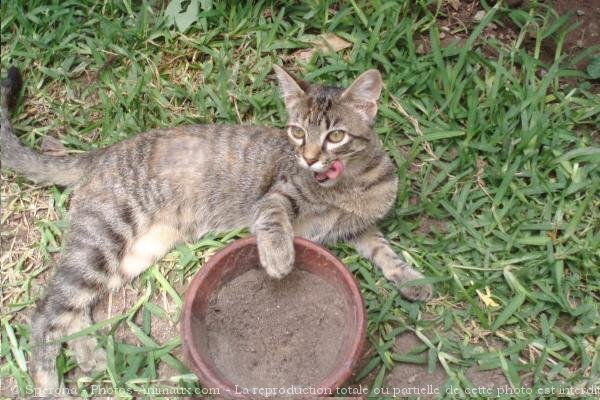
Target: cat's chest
[
  {"x": 331, "y": 224},
  {"x": 327, "y": 217},
  {"x": 315, "y": 225}
]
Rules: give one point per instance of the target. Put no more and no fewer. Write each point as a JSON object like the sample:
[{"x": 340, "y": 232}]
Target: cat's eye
[
  {"x": 297, "y": 133},
  {"x": 336, "y": 136}
]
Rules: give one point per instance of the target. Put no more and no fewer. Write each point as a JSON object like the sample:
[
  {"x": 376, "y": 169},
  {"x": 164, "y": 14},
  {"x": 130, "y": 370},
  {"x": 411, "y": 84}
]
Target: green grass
[{"x": 498, "y": 155}]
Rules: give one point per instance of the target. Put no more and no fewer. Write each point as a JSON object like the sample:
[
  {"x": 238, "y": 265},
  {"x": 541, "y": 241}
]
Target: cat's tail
[{"x": 40, "y": 168}]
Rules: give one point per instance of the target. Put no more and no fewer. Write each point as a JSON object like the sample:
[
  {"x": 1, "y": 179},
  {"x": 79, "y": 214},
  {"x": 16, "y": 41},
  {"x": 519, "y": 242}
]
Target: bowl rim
[{"x": 332, "y": 381}]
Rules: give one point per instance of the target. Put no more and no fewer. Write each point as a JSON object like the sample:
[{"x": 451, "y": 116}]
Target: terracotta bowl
[{"x": 238, "y": 258}]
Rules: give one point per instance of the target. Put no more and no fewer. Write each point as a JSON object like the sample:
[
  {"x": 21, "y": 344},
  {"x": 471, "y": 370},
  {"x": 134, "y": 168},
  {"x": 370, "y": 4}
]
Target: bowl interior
[{"x": 237, "y": 259}]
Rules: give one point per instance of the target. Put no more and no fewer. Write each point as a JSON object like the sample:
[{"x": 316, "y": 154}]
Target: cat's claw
[{"x": 276, "y": 253}]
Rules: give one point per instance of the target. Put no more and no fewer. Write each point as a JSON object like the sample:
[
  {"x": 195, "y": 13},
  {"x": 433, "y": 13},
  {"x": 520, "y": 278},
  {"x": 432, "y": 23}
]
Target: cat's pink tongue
[{"x": 336, "y": 169}]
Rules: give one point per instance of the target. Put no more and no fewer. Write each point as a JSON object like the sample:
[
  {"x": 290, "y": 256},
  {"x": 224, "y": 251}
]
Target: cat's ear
[
  {"x": 364, "y": 93},
  {"x": 292, "y": 88}
]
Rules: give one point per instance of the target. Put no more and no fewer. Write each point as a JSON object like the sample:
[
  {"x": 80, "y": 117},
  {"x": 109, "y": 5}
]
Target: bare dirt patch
[
  {"x": 586, "y": 22},
  {"x": 429, "y": 225},
  {"x": 462, "y": 16},
  {"x": 407, "y": 379},
  {"x": 22, "y": 207}
]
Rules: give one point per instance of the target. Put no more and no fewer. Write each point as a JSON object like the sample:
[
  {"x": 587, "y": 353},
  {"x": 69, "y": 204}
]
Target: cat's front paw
[
  {"x": 276, "y": 253},
  {"x": 420, "y": 292}
]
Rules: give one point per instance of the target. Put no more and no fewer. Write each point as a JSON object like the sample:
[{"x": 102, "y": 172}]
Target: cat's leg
[
  {"x": 89, "y": 357},
  {"x": 373, "y": 245},
  {"x": 65, "y": 310},
  {"x": 109, "y": 245},
  {"x": 274, "y": 234},
  {"x": 99, "y": 235},
  {"x": 141, "y": 252}
]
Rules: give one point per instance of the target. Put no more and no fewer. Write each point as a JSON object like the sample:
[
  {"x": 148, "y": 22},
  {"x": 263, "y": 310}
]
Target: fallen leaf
[
  {"x": 455, "y": 4},
  {"x": 325, "y": 43},
  {"x": 479, "y": 16},
  {"x": 487, "y": 298}
]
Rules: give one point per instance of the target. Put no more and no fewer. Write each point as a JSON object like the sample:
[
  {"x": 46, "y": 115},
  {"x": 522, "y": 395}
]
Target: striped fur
[{"x": 135, "y": 200}]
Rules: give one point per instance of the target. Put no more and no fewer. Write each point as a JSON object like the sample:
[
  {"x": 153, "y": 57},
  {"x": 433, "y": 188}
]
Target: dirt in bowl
[{"x": 265, "y": 333}]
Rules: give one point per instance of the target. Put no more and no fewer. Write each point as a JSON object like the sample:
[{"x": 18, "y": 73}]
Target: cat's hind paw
[{"x": 89, "y": 357}]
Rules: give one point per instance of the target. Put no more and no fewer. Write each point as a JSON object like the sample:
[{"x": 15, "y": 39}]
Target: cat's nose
[
  {"x": 310, "y": 161},
  {"x": 311, "y": 153}
]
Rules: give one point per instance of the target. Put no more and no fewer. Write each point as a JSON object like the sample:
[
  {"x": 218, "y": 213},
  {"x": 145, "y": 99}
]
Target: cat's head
[{"x": 331, "y": 128}]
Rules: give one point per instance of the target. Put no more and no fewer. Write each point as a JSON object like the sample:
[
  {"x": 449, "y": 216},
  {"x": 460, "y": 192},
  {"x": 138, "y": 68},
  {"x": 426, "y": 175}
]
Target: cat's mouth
[{"x": 335, "y": 171}]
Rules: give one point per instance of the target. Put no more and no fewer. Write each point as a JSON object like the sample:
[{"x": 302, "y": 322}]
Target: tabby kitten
[{"x": 325, "y": 178}]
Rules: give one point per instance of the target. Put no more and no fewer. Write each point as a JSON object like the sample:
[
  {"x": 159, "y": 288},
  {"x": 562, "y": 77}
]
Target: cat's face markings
[{"x": 330, "y": 127}]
